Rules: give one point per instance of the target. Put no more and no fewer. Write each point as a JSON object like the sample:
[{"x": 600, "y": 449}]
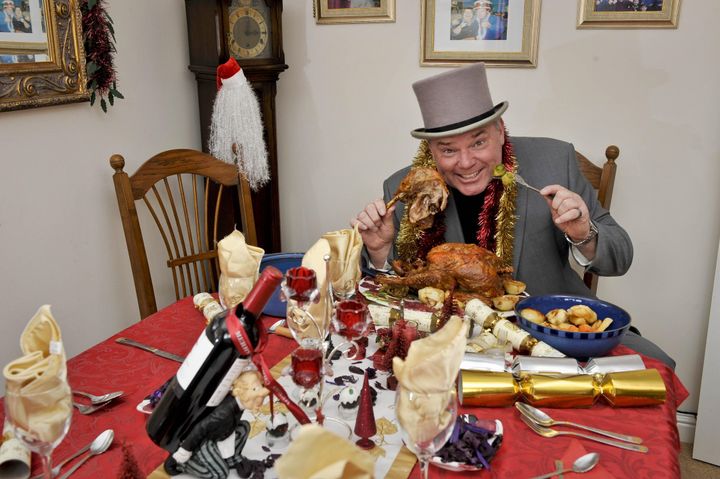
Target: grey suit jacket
[{"x": 540, "y": 252}]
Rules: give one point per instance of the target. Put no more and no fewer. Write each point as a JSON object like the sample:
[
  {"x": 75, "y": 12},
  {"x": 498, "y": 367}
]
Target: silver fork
[
  {"x": 521, "y": 181},
  {"x": 99, "y": 399},
  {"x": 547, "y": 432},
  {"x": 84, "y": 409}
]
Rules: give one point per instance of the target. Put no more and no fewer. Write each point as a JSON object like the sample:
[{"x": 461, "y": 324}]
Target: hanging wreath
[{"x": 99, "y": 43}]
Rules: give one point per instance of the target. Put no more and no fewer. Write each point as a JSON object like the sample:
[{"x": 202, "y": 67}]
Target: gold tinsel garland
[{"x": 409, "y": 235}]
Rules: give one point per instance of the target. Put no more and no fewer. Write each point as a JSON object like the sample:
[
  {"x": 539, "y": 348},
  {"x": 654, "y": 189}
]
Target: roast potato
[
  {"x": 506, "y": 302},
  {"x": 533, "y": 315}
]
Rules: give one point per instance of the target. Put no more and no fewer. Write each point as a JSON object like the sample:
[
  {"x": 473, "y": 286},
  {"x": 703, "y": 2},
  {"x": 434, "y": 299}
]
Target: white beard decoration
[{"x": 236, "y": 120}]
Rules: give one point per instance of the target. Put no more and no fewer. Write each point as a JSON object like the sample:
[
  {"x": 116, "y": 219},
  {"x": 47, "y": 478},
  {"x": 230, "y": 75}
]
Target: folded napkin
[
  {"x": 345, "y": 246},
  {"x": 39, "y": 379},
  {"x": 317, "y": 453},
  {"x": 432, "y": 363},
  {"x": 239, "y": 268}
]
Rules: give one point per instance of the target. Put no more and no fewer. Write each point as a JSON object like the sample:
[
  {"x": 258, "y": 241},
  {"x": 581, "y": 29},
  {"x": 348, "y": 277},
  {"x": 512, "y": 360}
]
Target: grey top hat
[{"x": 455, "y": 102}]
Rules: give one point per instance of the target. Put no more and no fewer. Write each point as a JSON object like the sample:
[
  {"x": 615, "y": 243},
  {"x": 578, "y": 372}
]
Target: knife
[{"x": 145, "y": 347}]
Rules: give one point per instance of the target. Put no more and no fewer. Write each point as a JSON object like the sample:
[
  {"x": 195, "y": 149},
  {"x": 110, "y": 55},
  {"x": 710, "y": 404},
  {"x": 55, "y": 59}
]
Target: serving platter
[{"x": 370, "y": 289}]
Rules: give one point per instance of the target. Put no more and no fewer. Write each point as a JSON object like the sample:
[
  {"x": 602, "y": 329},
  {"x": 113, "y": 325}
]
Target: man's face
[
  {"x": 466, "y": 161},
  {"x": 467, "y": 15}
]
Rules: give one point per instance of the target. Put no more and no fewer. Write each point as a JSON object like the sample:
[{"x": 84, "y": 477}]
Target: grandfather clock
[{"x": 250, "y": 31}]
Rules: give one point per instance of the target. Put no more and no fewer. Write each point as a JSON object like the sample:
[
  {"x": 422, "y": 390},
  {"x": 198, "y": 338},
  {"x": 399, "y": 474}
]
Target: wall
[
  {"x": 345, "y": 110},
  {"x": 61, "y": 240}
]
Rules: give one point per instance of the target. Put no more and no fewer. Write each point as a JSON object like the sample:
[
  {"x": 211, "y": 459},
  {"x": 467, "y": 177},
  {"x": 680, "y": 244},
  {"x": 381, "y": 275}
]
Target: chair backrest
[
  {"x": 603, "y": 180},
  {"x": 182, "y": 190}
]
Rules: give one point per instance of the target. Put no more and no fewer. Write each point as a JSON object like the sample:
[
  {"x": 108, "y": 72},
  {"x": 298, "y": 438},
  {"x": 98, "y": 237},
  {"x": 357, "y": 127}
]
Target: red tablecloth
[{"x": 109, "y": 366}]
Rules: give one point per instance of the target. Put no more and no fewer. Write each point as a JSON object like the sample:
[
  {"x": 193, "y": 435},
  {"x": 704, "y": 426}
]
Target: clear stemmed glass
[
  {"x": 426, "y": 421},
  {"x": 342, "y": 283},
  {"x": 39, "y": 420}
]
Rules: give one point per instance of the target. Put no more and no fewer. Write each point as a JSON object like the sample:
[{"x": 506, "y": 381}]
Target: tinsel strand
[{"x": 98, "y": 38}]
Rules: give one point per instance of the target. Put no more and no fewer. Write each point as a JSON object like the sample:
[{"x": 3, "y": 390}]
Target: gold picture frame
[
  {"x": 33, "y": 74},
  {"x": 501, "y": 33},
  {"x": 628, "y": 14},
  {"x": 331, "y": 12}
]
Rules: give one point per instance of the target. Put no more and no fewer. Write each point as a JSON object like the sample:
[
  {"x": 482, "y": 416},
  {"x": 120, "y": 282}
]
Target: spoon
[
  {"x": 98, "y": 446},
  {"x": 56, "y": 468},
  {"x": 100, "y": 399},
  {"x": 543, "y": 419},
  {"x": 581, "y": 464}
]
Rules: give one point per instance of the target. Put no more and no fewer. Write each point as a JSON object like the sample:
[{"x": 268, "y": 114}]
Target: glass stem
[
  {"x": 46, "y": 466},
  {"x": 424, "y": 467}
]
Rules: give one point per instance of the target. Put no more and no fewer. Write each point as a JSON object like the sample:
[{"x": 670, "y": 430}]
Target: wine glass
[
  {"x": 40, "y": 420},
  {"x": 342, "y": 283},
  {"x": 426, "y": 421}
]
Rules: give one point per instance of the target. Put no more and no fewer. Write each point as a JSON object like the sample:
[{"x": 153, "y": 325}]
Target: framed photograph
[
  {"x": 497, "y": 32},
  {"x": 354, "y": 11},
  {"x": 42, "y": 61},
  {"x": 628, "y": 13}
]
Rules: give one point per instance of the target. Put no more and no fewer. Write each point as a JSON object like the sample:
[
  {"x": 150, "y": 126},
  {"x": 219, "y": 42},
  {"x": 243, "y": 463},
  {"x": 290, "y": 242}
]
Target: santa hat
[{"x": 236, "y": 120}]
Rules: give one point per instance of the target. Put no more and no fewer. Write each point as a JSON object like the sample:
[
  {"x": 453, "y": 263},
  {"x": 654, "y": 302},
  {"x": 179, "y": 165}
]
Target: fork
[
  {"x": 99, "y": 399},
  {"x": 547, "y": 432},
  {"x": 83, "y": 409},
  {"x": 521, "y": 181}
]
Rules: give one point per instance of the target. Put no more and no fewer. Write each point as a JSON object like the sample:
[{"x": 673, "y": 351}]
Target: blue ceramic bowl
[
  {"x": 576, "y": 345},
  {"x": 283, "y": 262}
]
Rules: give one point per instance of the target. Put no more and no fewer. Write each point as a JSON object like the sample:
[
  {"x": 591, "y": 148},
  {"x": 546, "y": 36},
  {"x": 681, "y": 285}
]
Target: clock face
[{"x": 249, "y": 32}]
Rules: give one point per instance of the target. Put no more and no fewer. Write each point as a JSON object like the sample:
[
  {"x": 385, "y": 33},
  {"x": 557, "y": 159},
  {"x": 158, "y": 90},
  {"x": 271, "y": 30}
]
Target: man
[
  {"x": 533, "y": 233},
  {"x": 7, "y": 16},
  {"x": 466, "y": 28},
  {"x": 491, "y": 26}
]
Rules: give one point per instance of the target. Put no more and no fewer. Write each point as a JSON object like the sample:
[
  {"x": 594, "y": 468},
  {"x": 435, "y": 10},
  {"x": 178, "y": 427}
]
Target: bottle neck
[{"x": 264, "y": 288}]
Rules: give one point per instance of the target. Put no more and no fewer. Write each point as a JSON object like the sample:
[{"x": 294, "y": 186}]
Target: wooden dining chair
[
  {"x": 182, "y": 190},
  {"x": 603, "y": 180}
]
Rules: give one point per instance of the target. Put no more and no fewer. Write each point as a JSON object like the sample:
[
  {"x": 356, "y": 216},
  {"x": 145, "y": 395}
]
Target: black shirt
[{"x": 468, "y": 208}]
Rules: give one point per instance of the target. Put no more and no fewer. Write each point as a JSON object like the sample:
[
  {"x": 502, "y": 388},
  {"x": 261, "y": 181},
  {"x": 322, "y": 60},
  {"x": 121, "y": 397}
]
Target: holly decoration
[
  {"x": 99, "y": 42},
  {"x": 365, "y": 422}
]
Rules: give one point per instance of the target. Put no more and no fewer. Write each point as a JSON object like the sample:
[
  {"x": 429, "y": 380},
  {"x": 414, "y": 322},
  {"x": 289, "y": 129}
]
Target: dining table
[{"x": 109, "y": 366}]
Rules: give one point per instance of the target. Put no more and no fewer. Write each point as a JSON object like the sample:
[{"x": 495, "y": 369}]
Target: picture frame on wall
[
  {"x": 353, "y": 11},
  {"x": 628, "y": 13},
  {"x": 497, "y": 32}
]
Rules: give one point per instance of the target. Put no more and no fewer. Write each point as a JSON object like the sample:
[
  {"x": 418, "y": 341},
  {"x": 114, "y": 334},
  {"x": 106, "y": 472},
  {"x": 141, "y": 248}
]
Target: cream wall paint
[
  {"x": 61, "y": 241},
  {"x": 345, "y": 109}
]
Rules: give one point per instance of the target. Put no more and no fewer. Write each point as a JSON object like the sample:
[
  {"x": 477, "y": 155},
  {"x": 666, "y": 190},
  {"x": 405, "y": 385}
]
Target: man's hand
[
  {"x": 182, "y": 455},
  {"x": 376, "y": 227},
  {"x": 570, "y": 214}
]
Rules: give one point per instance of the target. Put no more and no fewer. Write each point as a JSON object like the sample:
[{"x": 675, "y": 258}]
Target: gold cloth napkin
[
  {"x": 433, "y": 362},
  {"x": 344, "y": 245},
  {"x": 39, "y": 379},
  {"x": 239, "y": 268},
  {"x": 316, "y": 453}
]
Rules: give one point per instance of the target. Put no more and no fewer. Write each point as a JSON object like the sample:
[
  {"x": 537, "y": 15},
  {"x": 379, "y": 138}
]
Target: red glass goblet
[
  {"x": 351, "y": 319},
  {"x": 306, "y": 366}
]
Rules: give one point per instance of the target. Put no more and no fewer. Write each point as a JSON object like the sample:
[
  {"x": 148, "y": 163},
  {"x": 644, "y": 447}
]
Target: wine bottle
[{"x": 207, "y": 374}]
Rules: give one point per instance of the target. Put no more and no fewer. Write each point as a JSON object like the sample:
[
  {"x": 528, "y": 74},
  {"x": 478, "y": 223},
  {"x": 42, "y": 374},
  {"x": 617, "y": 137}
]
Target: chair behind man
[
  {"x": 603, "y": 180},
  {"x": 182, "y": 190}
]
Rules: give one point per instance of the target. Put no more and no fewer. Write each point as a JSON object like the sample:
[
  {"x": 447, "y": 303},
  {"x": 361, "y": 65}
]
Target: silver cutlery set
[
  {"x": 539, "y": 422},
  {"x": 96, "y": 402}
]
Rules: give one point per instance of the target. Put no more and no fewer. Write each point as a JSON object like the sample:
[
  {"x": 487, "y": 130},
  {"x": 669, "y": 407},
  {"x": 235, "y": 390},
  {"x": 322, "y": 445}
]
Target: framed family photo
[
  {"x": 628, "y": 13},
  {"x": 23, "y": 36},
  {"x": 354, "y": 11},
  {"x": 497, "y": 32}
]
